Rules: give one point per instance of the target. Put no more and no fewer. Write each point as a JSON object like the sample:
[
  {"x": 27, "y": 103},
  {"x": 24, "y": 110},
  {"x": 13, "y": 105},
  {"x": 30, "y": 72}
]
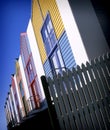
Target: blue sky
[{"x": 14, "y": 17}]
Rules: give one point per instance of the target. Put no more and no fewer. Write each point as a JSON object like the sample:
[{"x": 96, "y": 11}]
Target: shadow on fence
[{"x": 80, "y": 97}]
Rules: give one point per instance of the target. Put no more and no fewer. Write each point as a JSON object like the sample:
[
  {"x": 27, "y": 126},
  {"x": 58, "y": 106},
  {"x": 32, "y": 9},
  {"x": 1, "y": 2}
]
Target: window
[
  {"x": 21, "y": 88},
  {"x": 48, "y": 34},
  {"x": 25, "y": 49},
  {"x": 57, "y": 62},
  {"x": 30, "y": 71},
  {"x": 51, "y": 46},
  {"x": 55, "y": 65},
  {"x": 60, "y": 58}
]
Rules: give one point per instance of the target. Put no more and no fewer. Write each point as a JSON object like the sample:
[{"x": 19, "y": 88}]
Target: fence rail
[{"x": 81, "y": 97}]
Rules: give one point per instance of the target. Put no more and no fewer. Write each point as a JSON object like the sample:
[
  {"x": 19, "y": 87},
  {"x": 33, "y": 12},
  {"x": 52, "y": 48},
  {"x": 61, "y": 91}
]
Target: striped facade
[
  {"x": 41, "y": 10},
  {"x": 22, "y": 95},
  {"x": 8, "y": 110},
  {"x": 58, "y": 27},
  {"x": 13, "y": 115},
  {"x": 12, "y": 107},
  {"x": 33, "y": 79},
  {"x": 16, "y": 118},
  {"x": 38, "y": 67},
  {"x": 54, "y": 41},
  {"x": 26, "y": 95},
  {"x": 17, "y": 98},
  {"x": 27, "y": 103}
]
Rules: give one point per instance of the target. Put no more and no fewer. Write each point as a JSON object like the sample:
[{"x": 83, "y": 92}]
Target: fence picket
[
  {"x": 82, "y": 100},
  {"x": 101, "y": 85},
  {"x": 56, "y": 101},
  {"x": 65, "y": 99},
  {"x": 107, "y": 62},
  {"x": 81, "y": 97},
  {"x": 103, "y": 112},
  {"x": 71, "y": 99},
  {"x": 93, "y": 98},
  {"x": 91, "y": 115},
  {"x": 75, "y": 100},
  {"x": 102, "y": 77},
  {"x": 106, "y": 74},
  {"x": 97, "y": 103},
  {"x": 61, "y": 102}
]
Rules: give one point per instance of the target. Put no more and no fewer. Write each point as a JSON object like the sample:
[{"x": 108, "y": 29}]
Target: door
[{"x": 35, "y": 94}]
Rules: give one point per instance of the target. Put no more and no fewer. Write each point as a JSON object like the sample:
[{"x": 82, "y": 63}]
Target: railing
[
  {"x": 81, "y": 97},
  {"x": 32, "y": 104}
]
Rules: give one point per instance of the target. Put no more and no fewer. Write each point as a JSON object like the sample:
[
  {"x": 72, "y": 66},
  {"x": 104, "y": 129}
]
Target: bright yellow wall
[
  {"x": 17, "y": 67},
  {"x": 37, "y": 21}
]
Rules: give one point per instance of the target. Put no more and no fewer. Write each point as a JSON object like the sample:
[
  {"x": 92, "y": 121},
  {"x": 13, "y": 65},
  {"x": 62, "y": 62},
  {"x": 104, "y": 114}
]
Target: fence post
[{"x": 49, "y": 102}]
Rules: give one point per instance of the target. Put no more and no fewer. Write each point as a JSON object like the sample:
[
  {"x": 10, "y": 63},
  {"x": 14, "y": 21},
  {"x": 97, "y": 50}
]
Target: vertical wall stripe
[
  {"x": 38, "y": 67},
  {"x": 14, "y": 111},
  {"x": 24, "y": 78},
  {"x": 11, "y": 107},
  {"x": 72, "y": 31},
  {"x": 14, "y": 100},
  {"x": 37, "y": 22},
  {"x": 18, "y": 78},
  {"x": 17, "y": 91}
]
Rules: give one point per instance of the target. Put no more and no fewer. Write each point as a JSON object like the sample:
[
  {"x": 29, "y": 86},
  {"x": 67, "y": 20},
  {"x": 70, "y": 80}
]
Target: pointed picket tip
[
  {"x": 87, "y": 63},
  {"x": 96, "y": 61},
  {"x": 55, "y": 76},
  {"x": 49, "y": 79},
  {"x": 78, "y": 67},
  {"x": 59, "y": 75},
  {"x": 69, "y": 71},
  {"x": 92, "y": 62},
  {"x": 83, "y": 66},
  {"x": 105, "y": 56},
  {"x": 108, "y": 55},
  {"x": 101, "y": 59},
  {"x": 65, "y": 72},
  {"x": 73, "y": 70}
]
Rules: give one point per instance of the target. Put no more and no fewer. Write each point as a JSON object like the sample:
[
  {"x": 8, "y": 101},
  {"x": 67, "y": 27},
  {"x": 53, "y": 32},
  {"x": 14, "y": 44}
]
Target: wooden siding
[
  {"x": 66, "y": 51},
  {"x": 39, "y": 12}
]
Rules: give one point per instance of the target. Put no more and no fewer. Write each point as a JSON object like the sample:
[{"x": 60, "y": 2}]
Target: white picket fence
[{"x": 81, "y": 97}]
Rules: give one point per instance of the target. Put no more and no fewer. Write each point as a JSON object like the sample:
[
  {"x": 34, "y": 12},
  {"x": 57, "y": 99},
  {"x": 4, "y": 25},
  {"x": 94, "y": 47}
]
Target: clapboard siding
[
  {"x": 47, "y": 68},
  {"x": 66, "y": 51}
]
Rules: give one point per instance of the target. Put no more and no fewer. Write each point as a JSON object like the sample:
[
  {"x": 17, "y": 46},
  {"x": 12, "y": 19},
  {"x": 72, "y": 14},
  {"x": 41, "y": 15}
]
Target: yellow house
[{"x": 66, "y": 34}]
